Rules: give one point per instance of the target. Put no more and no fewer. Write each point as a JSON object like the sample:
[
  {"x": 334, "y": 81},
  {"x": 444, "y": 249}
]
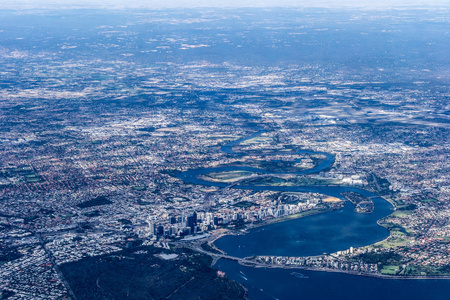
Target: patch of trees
[
  {"x": 383, "y": 258},
  {"x": 100, "y": 200},
  {"x": 136, "y": 273}
]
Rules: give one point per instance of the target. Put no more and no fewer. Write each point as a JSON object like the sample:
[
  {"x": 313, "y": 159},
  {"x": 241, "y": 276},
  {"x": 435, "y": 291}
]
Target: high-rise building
[{"x": 192, "y": 221}]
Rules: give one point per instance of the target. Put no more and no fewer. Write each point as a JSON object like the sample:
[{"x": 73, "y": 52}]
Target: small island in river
[
  {"x": 349, "y": 257},
  {"x": 362, "y": 203}
]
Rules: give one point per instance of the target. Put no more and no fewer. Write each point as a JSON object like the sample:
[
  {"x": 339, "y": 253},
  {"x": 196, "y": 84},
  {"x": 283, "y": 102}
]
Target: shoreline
[
  {"x": 225, "y": 232},
  {"x": 289, "y": 218},
  {"x": 375, "y": 275},
  {"x": 228, "y": 148},
  {"x": 252, "y": 264}
]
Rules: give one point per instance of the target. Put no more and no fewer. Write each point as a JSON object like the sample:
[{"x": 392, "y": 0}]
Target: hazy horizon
[{"x": 121, "y": 4}]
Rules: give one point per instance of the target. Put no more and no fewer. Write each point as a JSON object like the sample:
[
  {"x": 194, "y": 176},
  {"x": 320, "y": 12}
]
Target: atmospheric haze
[{"x": 157, "y": 4}]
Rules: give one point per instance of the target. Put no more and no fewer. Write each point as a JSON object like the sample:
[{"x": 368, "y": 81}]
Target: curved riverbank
[
  {"x": 316, "y": 234},
  {"x": 327, "y": 231},
  {"x": 366, "y": 274},
  {"x": 382, "y": 206},
  {"x": 277, "y": 283},
  {"x": 353, "y": 229}
]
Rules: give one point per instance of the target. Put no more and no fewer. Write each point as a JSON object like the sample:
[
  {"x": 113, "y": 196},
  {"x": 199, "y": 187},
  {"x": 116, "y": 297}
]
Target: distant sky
[{"x": 114, "y": 4}]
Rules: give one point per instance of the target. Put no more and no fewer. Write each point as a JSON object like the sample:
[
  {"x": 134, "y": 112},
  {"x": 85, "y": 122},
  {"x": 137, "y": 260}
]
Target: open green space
[
  {"x": 429, "y": 200},
  {"x": 245, "y": 204},
  {"x": 391, "y": 242},
  {"x": 228, "y": 176},
  {"x": 394, "y": 227},
  {"x": 384, "y": 259},
  {"x": 294, "y": 181},
  {"x": 401, "y": 213},
  {"x": 32, "y": 179},
  {"x": 278, "y": 166},
  {"x": 445, "y": 240},
  {"x": 139, "y": 188},
  {"x": 390, "y": 270},
  {"x": 420, "y": 270}
]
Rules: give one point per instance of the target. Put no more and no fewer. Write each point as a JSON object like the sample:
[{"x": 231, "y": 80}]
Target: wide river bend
[{"x": 312, "y": 235}]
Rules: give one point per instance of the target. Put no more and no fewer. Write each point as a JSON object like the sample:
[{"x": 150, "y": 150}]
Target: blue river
[
  {"x": 268, "y": 283},
  {"x": 313, "y": 235}
]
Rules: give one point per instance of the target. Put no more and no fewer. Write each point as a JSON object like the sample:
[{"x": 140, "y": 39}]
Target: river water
[
  {"x": 265, "y": 283},
  {"x": 313, "y": 235}
]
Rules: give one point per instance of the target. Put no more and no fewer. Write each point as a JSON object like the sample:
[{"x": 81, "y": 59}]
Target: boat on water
[
  {"x": 243, "y": 277},
  {"x": 298, "y": 275}
]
